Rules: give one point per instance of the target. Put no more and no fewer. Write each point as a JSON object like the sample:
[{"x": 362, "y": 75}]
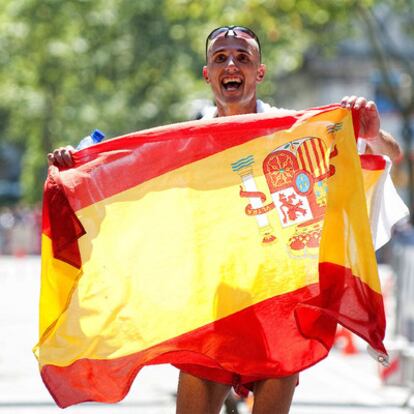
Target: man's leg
[
  {"x": 274, "y": 395},
  {"x": 198, "y": 396}
]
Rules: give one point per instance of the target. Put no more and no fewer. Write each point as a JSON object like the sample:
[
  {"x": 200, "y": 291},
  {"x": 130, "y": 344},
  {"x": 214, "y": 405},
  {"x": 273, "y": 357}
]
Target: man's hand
[
  {"x": 61, "y": 157},
  {"x": 378, "y": 141},
  {"x": 369, "y": 118}
]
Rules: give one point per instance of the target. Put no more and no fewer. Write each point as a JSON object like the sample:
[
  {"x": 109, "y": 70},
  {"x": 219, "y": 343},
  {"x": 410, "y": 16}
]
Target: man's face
[{"x": 233, "y": 70}]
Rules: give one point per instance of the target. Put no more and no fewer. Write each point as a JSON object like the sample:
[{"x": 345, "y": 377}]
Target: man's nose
[{"x": 231, "y": 64}]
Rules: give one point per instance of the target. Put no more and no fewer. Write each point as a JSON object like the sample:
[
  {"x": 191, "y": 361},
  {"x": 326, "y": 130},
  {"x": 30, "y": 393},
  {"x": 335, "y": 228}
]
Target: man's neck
[{"x": 237, "y": 109}]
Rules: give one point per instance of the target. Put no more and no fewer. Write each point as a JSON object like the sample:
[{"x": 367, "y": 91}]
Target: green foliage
[{"x": 67, "y": 67}]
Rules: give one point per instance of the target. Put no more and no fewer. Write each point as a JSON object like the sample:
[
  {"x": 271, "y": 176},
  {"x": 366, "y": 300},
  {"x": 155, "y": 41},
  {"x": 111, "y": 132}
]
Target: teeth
[{"x": 228, "y": 80}]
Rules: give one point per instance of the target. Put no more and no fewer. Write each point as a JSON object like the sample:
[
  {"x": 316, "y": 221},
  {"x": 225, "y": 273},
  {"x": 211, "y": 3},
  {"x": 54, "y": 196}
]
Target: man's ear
[
  {"x": 261, "y": 71},
  {"x": 205, "y": 74}
]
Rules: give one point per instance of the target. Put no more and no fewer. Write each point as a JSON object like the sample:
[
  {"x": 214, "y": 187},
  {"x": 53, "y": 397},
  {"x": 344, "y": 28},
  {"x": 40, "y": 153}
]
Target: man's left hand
[
  {"x": 378, "y": 141},
  {"x": 369, "y": 118}
]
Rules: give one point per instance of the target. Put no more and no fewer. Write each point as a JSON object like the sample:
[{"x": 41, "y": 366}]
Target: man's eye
[
  {"x": 243, "y": 58},
  {"x": 220, "y": 58}
]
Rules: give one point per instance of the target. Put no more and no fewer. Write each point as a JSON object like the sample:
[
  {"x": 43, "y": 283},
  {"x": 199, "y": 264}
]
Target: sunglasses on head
[{"x": 233, "y": 30}]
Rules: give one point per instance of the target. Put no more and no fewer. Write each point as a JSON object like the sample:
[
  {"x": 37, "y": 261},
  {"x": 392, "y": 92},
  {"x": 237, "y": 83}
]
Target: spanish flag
[{"x": 230, "y": 248}]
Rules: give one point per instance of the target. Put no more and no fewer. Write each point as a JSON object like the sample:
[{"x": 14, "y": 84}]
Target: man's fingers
[
  {"x": 371, "y": 106},
  {"x": 58, "y": 157},
  {"x": 62, "y": 157},
  {"x": 357, "y": 102},
  {"x": 360, "y": 102},
  {"x": 66, "y": 154},
  {"x": 351, "y": 101},
  {"x": 50, "y": 159}
]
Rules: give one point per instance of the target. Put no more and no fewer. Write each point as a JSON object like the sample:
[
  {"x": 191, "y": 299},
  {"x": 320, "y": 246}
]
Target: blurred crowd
[{"x": 20, "y": 229}]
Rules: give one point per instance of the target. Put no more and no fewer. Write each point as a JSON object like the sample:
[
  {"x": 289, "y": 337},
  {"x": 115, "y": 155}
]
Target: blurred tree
[
  {"x": 68, "y": 67},
  {"x": 396, "y": 68}
]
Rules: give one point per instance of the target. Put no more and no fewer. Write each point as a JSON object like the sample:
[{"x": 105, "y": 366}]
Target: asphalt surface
[{"x": 341, "y": 384}]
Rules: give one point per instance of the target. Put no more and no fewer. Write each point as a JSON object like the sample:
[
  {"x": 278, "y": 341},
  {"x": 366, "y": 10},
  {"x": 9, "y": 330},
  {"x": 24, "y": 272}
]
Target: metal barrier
[
  {"x": 402, "y": 262},
  {"x": 402, "y": 354}
]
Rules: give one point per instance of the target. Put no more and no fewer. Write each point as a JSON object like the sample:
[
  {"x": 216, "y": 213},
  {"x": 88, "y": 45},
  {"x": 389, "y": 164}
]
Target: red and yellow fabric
[{"x": 229, "y": 248}]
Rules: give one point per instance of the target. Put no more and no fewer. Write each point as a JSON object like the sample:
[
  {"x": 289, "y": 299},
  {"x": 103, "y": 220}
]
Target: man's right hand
[{"x": 61, "y": 157}]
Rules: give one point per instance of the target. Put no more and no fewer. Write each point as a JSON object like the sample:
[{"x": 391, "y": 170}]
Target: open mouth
[{"x": 232, "y": 84}]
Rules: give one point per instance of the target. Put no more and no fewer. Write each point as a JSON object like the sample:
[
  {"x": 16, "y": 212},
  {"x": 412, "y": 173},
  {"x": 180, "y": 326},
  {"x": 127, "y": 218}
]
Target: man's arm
[
  {"x": 378, "y": 140},
  {"x": 385, "y": 144}
]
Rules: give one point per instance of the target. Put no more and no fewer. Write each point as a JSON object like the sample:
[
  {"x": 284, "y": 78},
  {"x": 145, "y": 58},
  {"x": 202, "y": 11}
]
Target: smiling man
[{"x": 233, "y": 71}]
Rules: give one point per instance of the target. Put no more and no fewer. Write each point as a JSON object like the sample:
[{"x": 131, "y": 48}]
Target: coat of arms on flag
[{"x": 296, "y": 176}]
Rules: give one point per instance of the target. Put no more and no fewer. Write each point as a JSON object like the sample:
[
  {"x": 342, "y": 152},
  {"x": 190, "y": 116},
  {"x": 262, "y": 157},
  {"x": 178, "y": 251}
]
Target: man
[{"x": 233, "y": 71}]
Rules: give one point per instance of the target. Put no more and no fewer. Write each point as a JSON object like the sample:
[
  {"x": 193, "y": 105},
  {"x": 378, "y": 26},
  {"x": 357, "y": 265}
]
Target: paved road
[{"x": 338, "y": 385}]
